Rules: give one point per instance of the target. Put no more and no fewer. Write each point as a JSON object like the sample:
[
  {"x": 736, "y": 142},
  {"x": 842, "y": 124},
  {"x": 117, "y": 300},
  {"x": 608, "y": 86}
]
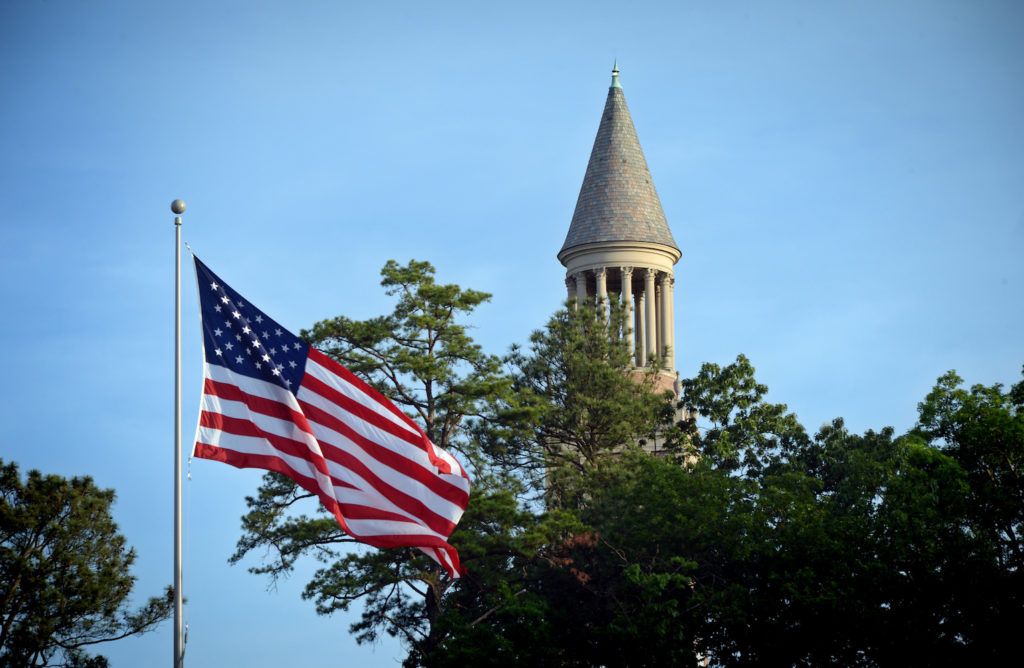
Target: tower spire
[
  {"x": 619, "y": 245},
  {"x": 618, "y": 201}
]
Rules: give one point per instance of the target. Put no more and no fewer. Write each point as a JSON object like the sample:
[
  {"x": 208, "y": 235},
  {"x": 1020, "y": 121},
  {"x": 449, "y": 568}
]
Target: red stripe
[
  {"x": 386, "y": 456},
  {"x": 339, "y": 370},
  {"x": 262, "y": 405},
  {"x": 276, "y": 464},
  {"x": 358, "y": 410},
  {"x": 408, "y": 503},
  {"x": 400, "y": 498},
  {"x": 288, "y": 446},
  {"x": 349, "y": 377}
]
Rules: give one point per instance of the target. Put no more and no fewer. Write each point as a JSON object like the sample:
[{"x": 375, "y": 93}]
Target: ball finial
[{"x": 178, "y": 206}]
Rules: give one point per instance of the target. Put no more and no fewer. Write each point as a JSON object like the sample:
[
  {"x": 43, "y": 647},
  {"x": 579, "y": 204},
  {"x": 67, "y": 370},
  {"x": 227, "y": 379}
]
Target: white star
[
  {"x": 258, "y": 365},
  {"x": 238, "y": 337},
  {"x": 217, "y": 308},
  {"x": 236, "y": 314},
  {"x": 214, "y": 286},
  {"x": 219, "y": 353},
  {"x": 277, "y": 331},
  {"x": 246, "y": 330},
  {"x": 287, "y": 382},
  {"x": 277, "y": 371},
  {"x": 298, "y": 345},
  {"x": 218, "y": 331},
  {"x": 229, "y": 345},
  {"x": 266, "y": 335},
  {"x": 273, "y": 351},
  {"x": 259, "y": 318},
  {"x": 225, "y": 299},
  {"x": 292, "y": 364},
  {"x": 266, "y": 358},
  {"x": 238, "y": 360},
  {"x": 255, "y": 343},
  {"x": 241, "y": 304}
]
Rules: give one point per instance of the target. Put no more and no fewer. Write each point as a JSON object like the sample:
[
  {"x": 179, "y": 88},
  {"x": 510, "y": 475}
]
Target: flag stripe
[
  {"x": 354, "y": 503},
  {"x": 342, "y": 468},
  {"x": 347, "y": 383},
  {"x": 414, "y": 489},
  {"x": 397, "y": 534},
  {"x": 271, "y": 402},
  {"x": 332, "y": 429}
]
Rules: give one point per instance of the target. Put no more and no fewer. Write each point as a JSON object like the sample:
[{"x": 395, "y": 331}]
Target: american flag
[{"x": 270, "y": 401}]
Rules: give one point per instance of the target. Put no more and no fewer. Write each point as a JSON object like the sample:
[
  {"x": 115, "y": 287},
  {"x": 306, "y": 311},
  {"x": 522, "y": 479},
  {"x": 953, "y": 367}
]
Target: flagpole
[{"x": 178, "y": 208}]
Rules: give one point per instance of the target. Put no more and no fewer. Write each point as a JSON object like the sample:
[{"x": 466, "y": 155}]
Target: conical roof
[{"x": 617, "y": 201}]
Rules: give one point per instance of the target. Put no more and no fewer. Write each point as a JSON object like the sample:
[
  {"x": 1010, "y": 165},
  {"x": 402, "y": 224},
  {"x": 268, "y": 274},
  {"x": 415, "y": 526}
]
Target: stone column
[
  {"x": 666, "y": 318},
  {"x": 581, "y": 288},
  {"x": 601, "y": 278},
  {"x": 659, "y": 315},
  {"x": 641, "y": 331},
  {"x": 651, "y": 319},
  {"x": 570, "y": 287},
  {"x": 626, "y": 294},
  {"x": 671, "y": 317}
]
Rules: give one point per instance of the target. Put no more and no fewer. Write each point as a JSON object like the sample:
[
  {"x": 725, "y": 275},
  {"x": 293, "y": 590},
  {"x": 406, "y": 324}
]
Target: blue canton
[{"x": 242, "y": 338}]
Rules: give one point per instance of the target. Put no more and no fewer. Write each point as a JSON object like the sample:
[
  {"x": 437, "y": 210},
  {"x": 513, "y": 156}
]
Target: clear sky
[{"x": 845, "y": 182}]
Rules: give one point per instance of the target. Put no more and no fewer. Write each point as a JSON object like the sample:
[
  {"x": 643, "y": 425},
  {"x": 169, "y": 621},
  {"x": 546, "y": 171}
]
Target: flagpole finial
[{"x": 178, "y": 206}]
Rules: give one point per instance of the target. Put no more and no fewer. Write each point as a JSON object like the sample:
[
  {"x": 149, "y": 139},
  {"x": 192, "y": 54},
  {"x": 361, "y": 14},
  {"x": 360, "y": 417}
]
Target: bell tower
[{"x": 619, "y": 242}]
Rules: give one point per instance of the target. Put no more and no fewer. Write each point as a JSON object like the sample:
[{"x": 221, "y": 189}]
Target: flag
[{"x": 271, "y": 401}]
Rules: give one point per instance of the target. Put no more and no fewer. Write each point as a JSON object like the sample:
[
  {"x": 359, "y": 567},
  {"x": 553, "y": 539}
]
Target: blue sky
[{"x": 845, "y": 182}]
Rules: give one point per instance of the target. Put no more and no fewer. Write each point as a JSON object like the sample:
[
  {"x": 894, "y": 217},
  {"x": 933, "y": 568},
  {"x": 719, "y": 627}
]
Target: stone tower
[{"x": 619, "y": 242}]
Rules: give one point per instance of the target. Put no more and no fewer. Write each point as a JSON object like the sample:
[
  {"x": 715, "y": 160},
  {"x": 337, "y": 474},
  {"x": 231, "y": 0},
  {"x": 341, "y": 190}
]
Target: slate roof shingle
[{"x": 618, "y": 201}]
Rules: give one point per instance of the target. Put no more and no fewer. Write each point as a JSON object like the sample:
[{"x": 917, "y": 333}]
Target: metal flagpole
[{"x": 178, "y": 207}]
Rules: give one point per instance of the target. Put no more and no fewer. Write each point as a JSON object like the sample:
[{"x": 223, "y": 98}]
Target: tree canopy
[
  {"x": 65, "y": 575},
  {"x": 745, "y": 540},
  {"x": 422, "y": 358}
]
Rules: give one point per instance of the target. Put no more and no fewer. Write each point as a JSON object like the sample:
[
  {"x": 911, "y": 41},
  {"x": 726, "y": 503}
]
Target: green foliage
[
  {"x": 861, "y": 550},
  {"x": 422, "y": 358},
  {"x": 420, "y": 355},
  {"x": 64, "y": 572},
  {"x": 576, "y": 397},
  {"x": 983, "y": 429},
  {"x": 747, "y": 541},
  {"x": 745, "y": 432}
]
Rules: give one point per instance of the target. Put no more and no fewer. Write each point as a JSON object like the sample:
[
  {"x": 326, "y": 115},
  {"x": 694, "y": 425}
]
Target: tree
[
  {"x": 979, "y": 434},
  {"x": 422, "y": 358},
  {"x": 747, "y": 540},
  {"x": 566, "y": 594},
  {"x": 576, "y": 397},
  {"x": 861, "y": 550},
  {"x": 64, "y": 572}
]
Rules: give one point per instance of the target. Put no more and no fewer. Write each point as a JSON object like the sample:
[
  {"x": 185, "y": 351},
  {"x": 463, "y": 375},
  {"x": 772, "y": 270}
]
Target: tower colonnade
[{"x": 647, "y": 295}]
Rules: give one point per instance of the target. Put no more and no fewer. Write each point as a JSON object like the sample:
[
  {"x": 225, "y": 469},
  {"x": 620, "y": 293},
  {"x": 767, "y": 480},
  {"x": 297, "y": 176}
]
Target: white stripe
[
  {"x": 385, "y": 472},
  {"x": 250, "y": 385},
  {"x": 355, "y": 393},
  {"x": 271, "y": 392},
  {"x": 389, "y": 528},
  {"x": 287, "y": 429},
  {"x": 256, "y": 446}
]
